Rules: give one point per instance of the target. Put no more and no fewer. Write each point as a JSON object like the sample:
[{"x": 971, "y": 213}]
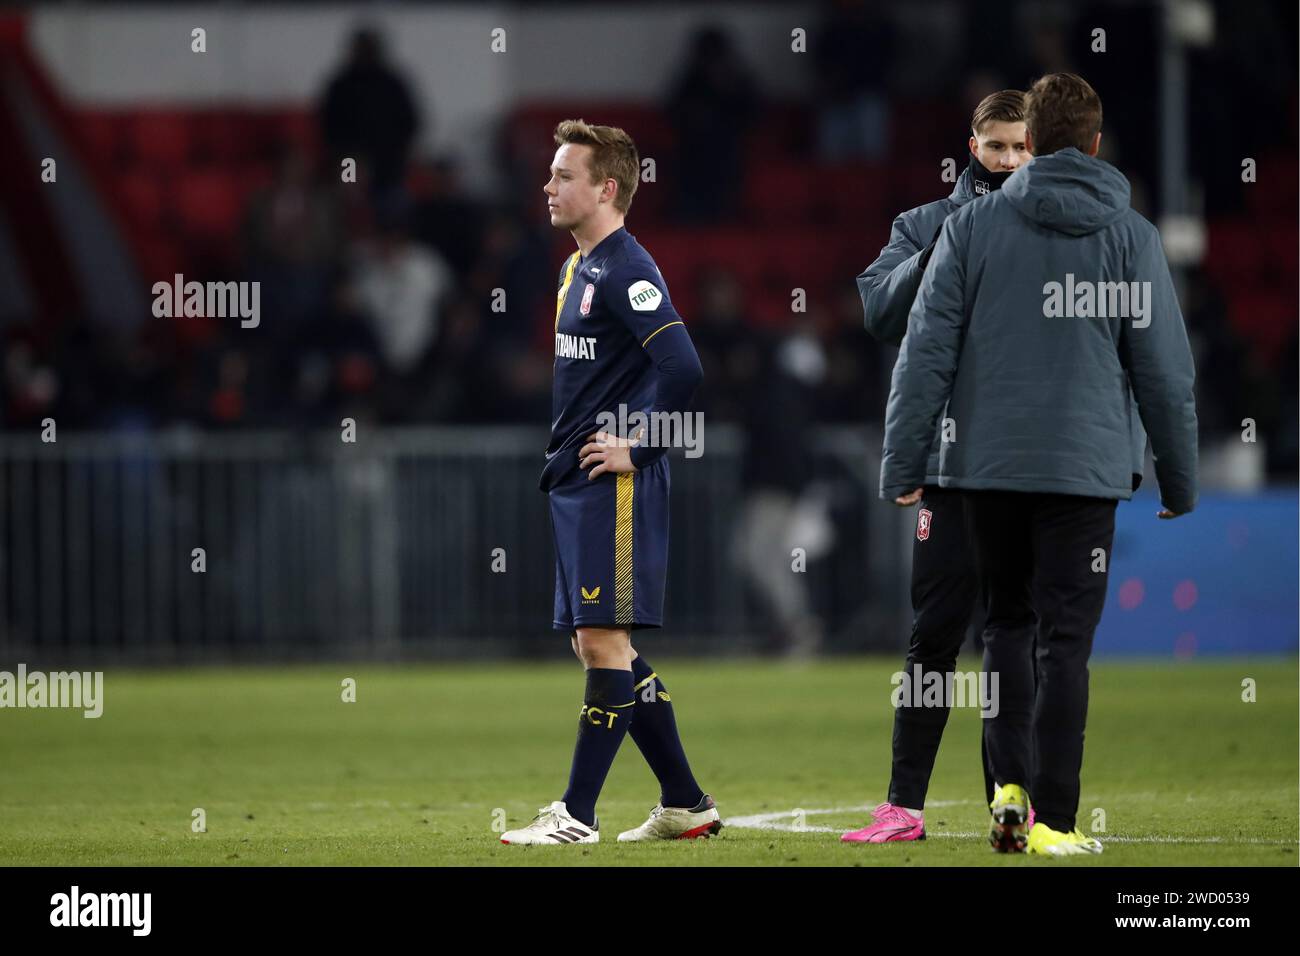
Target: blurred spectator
[
  {"x": 854, "y": 391},
  {"x": 30, "y": 385},
  {"x": 1284, "y": 450},
  {"x": 408, "y": 328},
  {"x": 400, "y": 287},
  {"x": 853, "y": 60},
  {"x": 1049, "y": 48},
  {"x": 515, "y": 257},
  {"x": 464, "y": 380},
  {"x": 293, "y": 237},
  {"x": 367, "y": 113},
  {"x": 728, "y": 347},
  {"x": 446, "y": 219},
  {"x": 712, "y": 105},
  {"x": 81, "y": 395},
  {"x": 783, "y": 509},
  {"x": 228, "y": 403},
  {"x": 993, "y": 28},
  {"x": 336, "y": 370}
]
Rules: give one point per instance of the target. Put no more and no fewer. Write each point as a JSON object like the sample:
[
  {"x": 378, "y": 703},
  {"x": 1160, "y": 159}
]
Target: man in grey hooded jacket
[{"x": 1040, "y": 306}]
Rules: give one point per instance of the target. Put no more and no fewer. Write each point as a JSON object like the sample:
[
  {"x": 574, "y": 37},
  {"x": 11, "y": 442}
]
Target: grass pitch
[{"x": 430, "y": 762}]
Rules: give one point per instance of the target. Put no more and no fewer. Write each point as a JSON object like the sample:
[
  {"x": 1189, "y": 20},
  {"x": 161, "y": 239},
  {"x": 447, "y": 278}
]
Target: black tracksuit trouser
[
  {"x": 1043, "y": 562},
  {"x": 944, "y": 595}
]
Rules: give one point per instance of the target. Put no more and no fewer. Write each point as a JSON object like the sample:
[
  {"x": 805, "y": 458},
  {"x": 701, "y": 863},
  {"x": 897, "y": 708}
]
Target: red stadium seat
[
  {"x": 651, "y": 201},
  {"x": 102, "y": 133},
  {"x": 914, "y": 184},
  {"x": 1275, "y": 192},
  {"x": 853, "y": 194},
  {"x": 160, "y": 257},
  {"x": 210, "y": 204},
  {"x": 744, "y": 252},
  {"x": 769, "y": 312},
  {"x": 1281, "y": 253},
  {"x": 780, "y": 193},
  {"x": 160, "y": 140},
  {"x": 804, "y": 259},
  {"x": 251, "y": 177},
  {"x": 784, "y": 132},
  {"x": 1234, "y": 253},
  {"x": 143, "y": 201},
  {"x": 271, "y": 130},
  {"x": 1266, "y": 319},
  {"x": 220, "y": 137},
  {"x": 929, "y": 127}
]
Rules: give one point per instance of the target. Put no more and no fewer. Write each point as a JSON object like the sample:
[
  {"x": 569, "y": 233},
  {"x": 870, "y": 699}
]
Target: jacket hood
[{"x": 1068, "y": 192}]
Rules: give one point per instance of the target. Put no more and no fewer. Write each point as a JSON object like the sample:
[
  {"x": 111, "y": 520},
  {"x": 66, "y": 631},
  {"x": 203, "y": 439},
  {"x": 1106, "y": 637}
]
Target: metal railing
[{"x": 383, "y": 548}]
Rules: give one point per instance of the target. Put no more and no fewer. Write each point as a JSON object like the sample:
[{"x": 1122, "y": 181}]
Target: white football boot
[
  {"x": 553, "y": 825},
  {"x": 677, "y": 823}
]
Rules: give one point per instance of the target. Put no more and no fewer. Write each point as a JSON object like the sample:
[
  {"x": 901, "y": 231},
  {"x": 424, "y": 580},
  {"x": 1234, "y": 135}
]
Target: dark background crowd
[{"x": 407, "y": 298}]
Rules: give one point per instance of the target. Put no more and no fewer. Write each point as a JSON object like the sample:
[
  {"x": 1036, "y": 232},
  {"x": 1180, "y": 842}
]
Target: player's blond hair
[
  {"x": 1004, "y": 106},
  {"x": 613, "y": 156}
]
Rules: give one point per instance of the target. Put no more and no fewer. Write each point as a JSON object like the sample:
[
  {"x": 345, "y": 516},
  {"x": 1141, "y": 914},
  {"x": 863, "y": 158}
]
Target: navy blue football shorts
[{"x": 611, "y": 548}]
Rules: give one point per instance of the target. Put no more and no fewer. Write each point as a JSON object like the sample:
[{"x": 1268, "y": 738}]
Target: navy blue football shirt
[{"x": 618, "y": 341}]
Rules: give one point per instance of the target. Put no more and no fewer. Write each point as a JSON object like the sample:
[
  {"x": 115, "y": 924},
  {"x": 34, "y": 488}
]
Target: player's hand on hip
[
  {"x": 605, "y": 452},
  {"x": 909, "y": 499}
]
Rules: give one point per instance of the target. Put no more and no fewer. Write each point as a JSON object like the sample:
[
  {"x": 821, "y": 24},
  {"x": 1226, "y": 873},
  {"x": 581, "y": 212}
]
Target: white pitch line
[{"x": 771, "y": 821}]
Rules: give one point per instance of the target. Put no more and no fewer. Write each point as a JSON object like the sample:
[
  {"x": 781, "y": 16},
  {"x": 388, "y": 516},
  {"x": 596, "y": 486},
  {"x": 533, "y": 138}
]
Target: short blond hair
[
  {"x": 613, "y": 156},
  {"x": 1004, "y": 106}
]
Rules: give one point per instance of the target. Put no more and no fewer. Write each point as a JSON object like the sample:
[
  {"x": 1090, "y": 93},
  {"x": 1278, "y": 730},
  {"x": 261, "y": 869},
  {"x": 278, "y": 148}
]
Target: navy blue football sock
[
  {"x": 602, "y": 723},
  {"x": 654, "y": 729}
]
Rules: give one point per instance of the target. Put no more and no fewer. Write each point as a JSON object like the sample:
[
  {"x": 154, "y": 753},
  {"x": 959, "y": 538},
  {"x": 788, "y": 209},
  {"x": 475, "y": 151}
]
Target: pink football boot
[{"x": 889, "y": 823}]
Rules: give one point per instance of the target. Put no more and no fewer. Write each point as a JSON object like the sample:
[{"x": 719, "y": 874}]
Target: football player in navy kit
[{"x": 621, "y": 351}]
